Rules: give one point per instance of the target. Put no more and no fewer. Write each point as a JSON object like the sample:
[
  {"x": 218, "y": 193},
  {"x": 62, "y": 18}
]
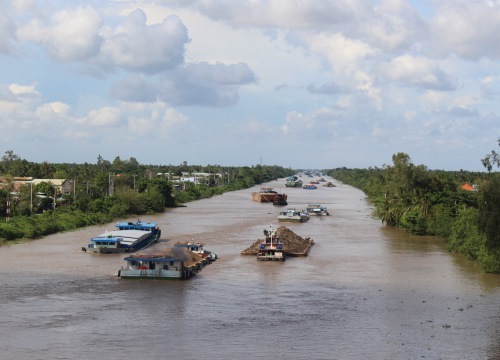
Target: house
[
  {"x": 14, "y": 183},
  {"x": 62, "y": 186},
  {"x": 468, "y": 187}
]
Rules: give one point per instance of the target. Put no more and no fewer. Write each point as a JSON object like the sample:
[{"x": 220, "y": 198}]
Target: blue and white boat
[
  {"x": 309, "y": 186},
  {"x": 128, "y": 237}
]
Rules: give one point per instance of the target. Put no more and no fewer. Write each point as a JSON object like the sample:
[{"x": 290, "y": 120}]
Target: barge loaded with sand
[
  {"x": 293, "y": 245},
  {"x": 182, "y": 261}
]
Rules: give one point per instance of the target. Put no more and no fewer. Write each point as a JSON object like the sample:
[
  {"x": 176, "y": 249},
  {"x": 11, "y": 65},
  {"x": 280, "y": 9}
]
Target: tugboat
[{"x": 271, "y": 249}]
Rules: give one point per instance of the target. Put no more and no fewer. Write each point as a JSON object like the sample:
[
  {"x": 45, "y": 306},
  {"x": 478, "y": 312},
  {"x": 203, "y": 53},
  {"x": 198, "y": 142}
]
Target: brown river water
[{"x": 365, "y": 291}]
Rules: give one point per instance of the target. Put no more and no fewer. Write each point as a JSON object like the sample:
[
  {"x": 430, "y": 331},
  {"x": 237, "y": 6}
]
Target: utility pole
[
  {"x": 111, "y": 181},
  {"x": 134, "y": 180},
  {"x": 7, "y": 210},
  {"x": 31, "y": 196}
]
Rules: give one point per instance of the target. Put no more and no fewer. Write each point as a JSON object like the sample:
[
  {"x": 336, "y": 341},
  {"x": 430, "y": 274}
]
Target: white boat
[
  {"x": 172, "y": 264},
  {"x": 292, "y": 215},
  {"x": 317, "y": 209},
  {"x": 271, "y": 249}
]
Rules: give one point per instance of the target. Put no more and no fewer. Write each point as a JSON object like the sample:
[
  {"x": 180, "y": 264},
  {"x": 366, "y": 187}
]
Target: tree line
[
  {"x": 432, "y": 202},
  {"x": 105, "y": 191}
]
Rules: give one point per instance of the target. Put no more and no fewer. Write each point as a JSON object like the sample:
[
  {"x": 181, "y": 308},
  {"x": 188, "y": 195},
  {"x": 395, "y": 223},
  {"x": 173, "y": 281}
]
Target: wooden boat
[
  {"x": 128, "y": 237},
  {"x": 292, "y": 215},
  {"x": 271, "y": 249},
  {"x": 317, "y": 210},
  {"x": 171, "y": 264},
  {"x": 280, "y": 200},
  {"x": 266, "y": 194}
]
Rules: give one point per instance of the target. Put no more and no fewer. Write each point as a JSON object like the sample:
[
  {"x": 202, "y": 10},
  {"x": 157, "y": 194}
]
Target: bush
[{"x": 413, "y": 223}]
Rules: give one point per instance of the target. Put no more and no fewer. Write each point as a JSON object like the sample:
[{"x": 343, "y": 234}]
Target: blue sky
[{"x": 301, "y": 84}]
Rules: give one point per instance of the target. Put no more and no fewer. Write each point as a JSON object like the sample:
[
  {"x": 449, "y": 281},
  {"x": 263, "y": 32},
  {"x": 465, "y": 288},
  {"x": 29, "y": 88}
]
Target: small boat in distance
[
  {"x": 293, "y": 181},
  {"x": 317, "y": 210},
  {"x": 292, "y": 215},
  {"x": 128, "y": 237},
  {"x": 309, "y": 186},
  {"x": 271, "y": 249}
]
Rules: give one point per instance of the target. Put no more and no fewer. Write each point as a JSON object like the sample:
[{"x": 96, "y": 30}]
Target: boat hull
[
  {"x": 123, "y": 250},
  {"x": 155, "y": 275},
  {"x": 292, "y": 219},
  {"x": 270, "y": 258},
  {"x": 263, "y": 197}
]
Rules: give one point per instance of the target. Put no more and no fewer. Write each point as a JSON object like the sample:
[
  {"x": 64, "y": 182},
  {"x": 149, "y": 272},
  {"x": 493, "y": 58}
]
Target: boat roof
[
  {"x": 125, "y": 236},
  {"x": 152, "y": 258},
  {"x": 136, "y": 225}
]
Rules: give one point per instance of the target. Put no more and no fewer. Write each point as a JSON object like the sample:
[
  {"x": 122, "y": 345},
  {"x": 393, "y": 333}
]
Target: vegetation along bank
[
  {"x": 461, "y": 206},
  {"x": 42, "y": 199}
]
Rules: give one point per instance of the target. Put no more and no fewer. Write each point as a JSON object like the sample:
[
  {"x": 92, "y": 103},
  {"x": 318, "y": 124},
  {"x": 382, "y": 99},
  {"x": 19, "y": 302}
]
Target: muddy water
[{"x": 365, "y": 292}]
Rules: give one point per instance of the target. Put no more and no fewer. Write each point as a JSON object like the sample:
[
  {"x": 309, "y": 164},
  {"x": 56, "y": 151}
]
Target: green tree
[{"x": 489, "y": 210}]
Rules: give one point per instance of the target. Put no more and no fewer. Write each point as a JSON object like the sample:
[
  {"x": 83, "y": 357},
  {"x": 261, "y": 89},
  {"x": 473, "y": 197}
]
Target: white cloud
[
  {"x": 106, "y": 116},
  {"x": 136, "y": 46},
  {"x": 24, "y": 90},
  {"x": 278, "y": 13},
  {"x": 466, "y": 28},
  {"x": 68, "y": 35},
  {"x": 51, "y": 110},
  {"x": 393, "y": 25},
  {"x": 7, "y": 31},
  {"x": 419, "y": 72}
]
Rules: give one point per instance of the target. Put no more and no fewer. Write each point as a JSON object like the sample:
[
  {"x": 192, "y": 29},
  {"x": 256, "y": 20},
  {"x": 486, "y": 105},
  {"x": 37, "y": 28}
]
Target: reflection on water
[{"x": 365, "y": 291}]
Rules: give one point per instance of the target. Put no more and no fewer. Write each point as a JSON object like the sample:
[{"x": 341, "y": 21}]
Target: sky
[{"x": 301, "y": 84}]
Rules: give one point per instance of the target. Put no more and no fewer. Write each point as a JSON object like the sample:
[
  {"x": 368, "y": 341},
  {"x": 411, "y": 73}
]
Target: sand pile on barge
[{"x": 293, "y": 244}]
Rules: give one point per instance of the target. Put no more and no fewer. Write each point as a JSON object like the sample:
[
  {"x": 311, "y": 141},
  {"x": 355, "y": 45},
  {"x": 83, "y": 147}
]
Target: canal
[{"x": 365, "y": 291}]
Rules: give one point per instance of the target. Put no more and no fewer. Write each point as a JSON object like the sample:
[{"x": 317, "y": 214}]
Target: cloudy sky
[{"x": 295, "y": 83}]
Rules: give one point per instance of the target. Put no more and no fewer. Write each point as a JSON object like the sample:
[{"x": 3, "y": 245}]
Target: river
[{"x": 365, "y": 291}]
